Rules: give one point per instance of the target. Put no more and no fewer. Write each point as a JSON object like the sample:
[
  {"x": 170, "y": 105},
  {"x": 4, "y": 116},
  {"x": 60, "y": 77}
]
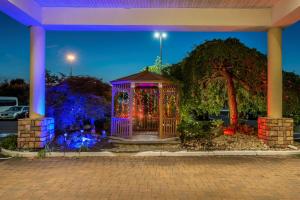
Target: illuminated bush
[{"x": 76, "y": 101}]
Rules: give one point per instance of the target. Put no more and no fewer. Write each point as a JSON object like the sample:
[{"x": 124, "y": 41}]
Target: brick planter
[
  {"x": 276, "y": 132},
  {"x": 35, "y": 133}
]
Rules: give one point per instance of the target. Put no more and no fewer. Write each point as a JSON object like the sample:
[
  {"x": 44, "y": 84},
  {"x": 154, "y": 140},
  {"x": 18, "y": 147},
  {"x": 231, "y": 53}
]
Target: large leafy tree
[{"x": 221, "y": 72}]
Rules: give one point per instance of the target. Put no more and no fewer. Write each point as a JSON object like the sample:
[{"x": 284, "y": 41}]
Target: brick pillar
[
  {"x": 35, "y": 133},
  {"x": 276, "y": 132}
]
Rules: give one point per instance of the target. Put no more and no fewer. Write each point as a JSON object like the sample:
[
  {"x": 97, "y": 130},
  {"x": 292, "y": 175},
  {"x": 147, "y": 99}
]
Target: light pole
[
  {"x": 160, "y": 36},
  {"x": 70, "y": 57}
]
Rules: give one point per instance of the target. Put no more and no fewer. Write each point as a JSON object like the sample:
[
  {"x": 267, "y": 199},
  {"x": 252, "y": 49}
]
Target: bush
[
  {"x": 200, "y": 130},
  {"x": 78, "y": 101},
  {"x": 9, "y": 142},
  {"x": 194, "y": 130},
  {"x": 41, "y": 154}
]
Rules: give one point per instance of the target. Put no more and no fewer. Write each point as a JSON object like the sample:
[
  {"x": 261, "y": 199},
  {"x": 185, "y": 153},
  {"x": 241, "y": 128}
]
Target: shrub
[
  {"x": 194, "y": 130},
  {"x": 200, "y": 130},
  {"x": 217, "y": 123},
  {"x": 41, "y": 154},
  {"x": 9, "y": 142},
  {"x": 77, "y": 101}
]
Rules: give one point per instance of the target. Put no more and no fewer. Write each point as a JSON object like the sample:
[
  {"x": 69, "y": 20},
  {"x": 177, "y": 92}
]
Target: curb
[
  {"x": 118, "y": 140},
  {"x": 153, "y": 153},
  {"x": 217, "y": 153},
  {"x": 11, "y": 153}
]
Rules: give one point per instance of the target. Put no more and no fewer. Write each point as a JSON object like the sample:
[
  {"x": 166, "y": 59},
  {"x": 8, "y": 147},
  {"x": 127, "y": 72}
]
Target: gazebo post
[
  {"x": 161, "y": 114},
  {"x": 131, "y": 96},
  {"x": 112, "y": 127}
]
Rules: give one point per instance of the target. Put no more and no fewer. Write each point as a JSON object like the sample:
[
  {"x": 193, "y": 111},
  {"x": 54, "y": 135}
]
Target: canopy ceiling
[
  {"x": 154, "y": 15},
  {"x": 159, "y": 3}
]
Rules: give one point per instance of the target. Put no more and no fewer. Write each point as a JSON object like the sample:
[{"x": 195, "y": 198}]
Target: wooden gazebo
[{"x": 145, "y": 103}]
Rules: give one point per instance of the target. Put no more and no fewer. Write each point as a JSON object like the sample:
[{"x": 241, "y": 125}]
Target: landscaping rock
[{"x": 223, "y": 142}]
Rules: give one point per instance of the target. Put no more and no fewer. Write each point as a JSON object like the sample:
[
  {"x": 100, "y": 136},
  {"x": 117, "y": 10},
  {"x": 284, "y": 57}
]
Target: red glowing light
[{"x": 229, "y": 131}]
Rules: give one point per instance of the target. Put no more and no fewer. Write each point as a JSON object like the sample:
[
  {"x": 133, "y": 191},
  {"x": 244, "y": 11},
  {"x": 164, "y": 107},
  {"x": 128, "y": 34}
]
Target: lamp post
[
  {"x": 160, "y": 36},
  {"x": 70, "y": 57}
]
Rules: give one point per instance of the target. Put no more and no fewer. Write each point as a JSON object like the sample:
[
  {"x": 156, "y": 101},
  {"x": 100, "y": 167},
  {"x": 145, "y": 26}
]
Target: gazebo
[{"x": 145, "y": 103}]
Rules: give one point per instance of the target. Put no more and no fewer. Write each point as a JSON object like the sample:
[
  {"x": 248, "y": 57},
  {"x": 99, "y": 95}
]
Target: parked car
[
  {"x": 15, "y": 112},
  {"x": 224, "y": 115},
  {"x": 7, "y": 102}
]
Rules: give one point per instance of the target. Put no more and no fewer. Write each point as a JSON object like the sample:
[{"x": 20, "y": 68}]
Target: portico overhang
[{"x": 168, "y": 15}]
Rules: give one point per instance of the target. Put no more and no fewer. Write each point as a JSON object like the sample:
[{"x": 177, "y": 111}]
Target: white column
[
  {"x": 275, "y": 73},
  {"x": 37, "y": 72}
]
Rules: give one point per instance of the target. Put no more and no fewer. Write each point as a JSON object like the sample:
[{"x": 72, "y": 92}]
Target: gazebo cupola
[{"x": 144, "y": 103}]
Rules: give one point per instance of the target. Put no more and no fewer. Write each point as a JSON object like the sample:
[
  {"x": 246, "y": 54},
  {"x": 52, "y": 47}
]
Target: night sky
[{"x": 110, "y": 55}]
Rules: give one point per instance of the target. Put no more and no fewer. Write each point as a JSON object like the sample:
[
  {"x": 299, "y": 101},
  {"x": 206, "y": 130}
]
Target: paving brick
[{"x": 151, "y": 178}]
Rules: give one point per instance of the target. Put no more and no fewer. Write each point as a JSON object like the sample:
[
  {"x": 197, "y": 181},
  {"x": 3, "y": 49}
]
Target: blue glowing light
[
  {"x": 72, "y": 110},
  {"x": 77, "y": 140}
]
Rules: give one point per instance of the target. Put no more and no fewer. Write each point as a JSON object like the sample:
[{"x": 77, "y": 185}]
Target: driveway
[
  {"x": 8, "y": 128},
  {"x": 151, "y": 178}
]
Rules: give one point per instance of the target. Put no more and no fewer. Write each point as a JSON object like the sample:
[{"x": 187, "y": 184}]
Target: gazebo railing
[
  {"x": 146, "y": 124},
  {"x": 120, "y": 127},
  {"x": 169, "y": 127}
]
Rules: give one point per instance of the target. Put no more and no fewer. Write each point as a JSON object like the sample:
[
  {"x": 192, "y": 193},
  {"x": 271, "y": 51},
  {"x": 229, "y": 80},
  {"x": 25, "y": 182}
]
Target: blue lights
[
  {"x": 78, "y": 140},
  {"x": 73, "y": 110}
]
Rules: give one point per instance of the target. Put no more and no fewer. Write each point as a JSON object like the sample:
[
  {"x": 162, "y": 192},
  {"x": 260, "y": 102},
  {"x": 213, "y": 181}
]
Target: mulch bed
[
  {"x": 229, "y": 143},
  {"x": 103, "y": 145}
]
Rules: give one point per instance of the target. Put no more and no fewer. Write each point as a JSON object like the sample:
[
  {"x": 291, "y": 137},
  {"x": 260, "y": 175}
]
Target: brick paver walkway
[{"x": 151, "y": 178}]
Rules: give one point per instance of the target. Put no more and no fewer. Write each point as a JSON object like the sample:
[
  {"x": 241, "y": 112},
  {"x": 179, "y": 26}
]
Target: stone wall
[
  {"x": 276, "y": 132},
  {"x": 35, "y": 133}
]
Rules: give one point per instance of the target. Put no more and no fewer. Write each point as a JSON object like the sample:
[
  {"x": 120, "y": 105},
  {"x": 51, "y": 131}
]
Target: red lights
[{"x": 229, "y": 131}]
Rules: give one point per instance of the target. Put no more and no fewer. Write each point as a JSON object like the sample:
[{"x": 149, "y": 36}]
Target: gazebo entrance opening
[
  {"x": 146, "y": 110},
  {"x": 144, "y": 104}
]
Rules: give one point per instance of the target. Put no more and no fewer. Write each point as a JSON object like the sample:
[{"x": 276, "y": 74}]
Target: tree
[
  {"x": 291, "y": 96},
  {"x": 157, "y": 67},
  {"x": 73, "y": 100},
  {"x": 16, "y": 88},
  {"x": 53, "y": 79},
  {"x": 220, "y": 72}
]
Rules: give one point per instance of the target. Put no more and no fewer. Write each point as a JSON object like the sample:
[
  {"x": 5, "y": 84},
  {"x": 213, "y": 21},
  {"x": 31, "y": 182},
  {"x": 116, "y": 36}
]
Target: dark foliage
[
  {"x": 194, "y": 130},
  {"x": 9, "y": 142},
  {"x": 16, "y": 88},
  {"x": 77, "y": 101},
  {"x": 291, "y": 96},
  {"x": 205, "y": 88}
]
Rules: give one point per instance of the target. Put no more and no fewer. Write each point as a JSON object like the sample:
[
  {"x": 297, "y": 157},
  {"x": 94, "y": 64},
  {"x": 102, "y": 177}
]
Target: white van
[{"x": 7, "y": 102}]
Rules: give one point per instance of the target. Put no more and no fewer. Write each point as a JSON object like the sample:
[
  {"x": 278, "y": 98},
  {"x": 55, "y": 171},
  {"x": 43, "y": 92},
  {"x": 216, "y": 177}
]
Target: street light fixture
[
  {"x": 71, "y": 58},
  {"x": 160, "y": 36}
]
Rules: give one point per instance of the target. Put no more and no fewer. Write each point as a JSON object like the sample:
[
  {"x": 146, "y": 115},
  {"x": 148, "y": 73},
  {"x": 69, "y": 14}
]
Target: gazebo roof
[{"x": 142, "y": 77}]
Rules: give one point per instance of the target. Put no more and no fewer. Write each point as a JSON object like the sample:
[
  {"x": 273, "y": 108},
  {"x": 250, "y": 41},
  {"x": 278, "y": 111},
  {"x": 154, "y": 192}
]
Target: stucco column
[
  {"x": 37, "y": 72},
  {"x": 274, "y": 73}
]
